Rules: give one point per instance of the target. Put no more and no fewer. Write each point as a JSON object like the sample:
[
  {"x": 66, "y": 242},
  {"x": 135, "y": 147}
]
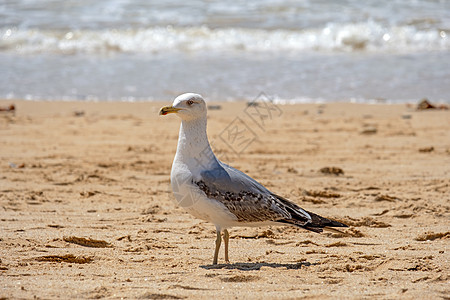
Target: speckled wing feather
[{"x": 247, "y": 199}]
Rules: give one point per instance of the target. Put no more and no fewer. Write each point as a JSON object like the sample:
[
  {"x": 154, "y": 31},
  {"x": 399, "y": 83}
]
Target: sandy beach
[{"x": 87, "y": 211}]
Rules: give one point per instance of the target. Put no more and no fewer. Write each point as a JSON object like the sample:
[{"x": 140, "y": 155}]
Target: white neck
[{"x": 193, "y": 148}]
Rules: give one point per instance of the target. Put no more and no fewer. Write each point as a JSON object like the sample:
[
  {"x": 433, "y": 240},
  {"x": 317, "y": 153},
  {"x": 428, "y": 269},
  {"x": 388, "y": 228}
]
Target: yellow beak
[{"x": 168, "y": 110}]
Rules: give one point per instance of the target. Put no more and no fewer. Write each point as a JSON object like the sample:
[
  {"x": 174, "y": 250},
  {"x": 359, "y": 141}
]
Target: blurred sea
[{"x": 297, "y": 51}]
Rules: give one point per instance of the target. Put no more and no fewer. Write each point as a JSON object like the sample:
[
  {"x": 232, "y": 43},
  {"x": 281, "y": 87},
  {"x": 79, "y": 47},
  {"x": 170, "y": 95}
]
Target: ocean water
[{"x": 296, "y": 51}]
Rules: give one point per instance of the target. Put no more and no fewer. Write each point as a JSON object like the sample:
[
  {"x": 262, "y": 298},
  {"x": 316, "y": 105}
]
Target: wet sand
[{"x": 87, "y": 212}]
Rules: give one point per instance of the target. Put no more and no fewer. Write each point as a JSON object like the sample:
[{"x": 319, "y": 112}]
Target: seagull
[{"x": 215, "y": 192}]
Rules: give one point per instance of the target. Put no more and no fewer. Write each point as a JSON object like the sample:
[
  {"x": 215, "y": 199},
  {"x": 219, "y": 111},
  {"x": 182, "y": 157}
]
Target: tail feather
[{"x": 300, "y": 219}]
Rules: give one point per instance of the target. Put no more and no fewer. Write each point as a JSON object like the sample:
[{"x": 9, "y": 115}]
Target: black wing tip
[
  {"x": 314, "y": 223},
  {"x": 325, "y": 223},
  {"x": 319, "y": 221},
  {"x": 333, "y": 223},
  {"x": 317, "y": 224}
]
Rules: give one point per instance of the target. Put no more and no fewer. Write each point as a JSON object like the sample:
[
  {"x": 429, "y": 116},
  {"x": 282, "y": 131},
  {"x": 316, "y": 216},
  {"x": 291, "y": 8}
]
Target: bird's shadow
[{"x": 256, "y": 266}]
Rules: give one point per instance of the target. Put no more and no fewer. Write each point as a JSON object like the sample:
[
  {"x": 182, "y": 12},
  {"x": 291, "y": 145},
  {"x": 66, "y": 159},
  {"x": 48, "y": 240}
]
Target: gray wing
[{"x": 247, "y": 199}]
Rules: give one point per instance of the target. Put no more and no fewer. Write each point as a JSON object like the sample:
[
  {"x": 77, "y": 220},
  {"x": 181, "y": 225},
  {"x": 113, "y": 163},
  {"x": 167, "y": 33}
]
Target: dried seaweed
[
  {"x": 68, "y": 258},
  {"x": 87, "y": 242}
]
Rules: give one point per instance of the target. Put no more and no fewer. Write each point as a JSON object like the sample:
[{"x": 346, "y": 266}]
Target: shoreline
[{"x": 375, "y": 101}]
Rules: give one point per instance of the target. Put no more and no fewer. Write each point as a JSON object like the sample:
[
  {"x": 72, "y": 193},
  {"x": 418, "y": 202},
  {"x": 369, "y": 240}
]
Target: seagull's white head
[{"x": 187, "y": 106}]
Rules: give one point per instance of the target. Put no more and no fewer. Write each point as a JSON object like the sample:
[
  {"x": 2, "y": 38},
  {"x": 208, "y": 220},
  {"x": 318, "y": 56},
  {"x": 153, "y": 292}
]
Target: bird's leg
[
  {"x": 218, "y": 241},
  {"x": 226, "y": 238}
]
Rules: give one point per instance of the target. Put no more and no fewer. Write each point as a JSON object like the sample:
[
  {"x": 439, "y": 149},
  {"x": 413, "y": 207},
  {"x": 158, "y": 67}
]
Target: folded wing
[{"x": 251, "y": 202}]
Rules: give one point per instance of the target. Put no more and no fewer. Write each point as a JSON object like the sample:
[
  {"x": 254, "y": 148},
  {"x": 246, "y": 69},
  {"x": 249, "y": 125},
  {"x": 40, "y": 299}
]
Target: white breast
[{"x": 190, "y": 197}]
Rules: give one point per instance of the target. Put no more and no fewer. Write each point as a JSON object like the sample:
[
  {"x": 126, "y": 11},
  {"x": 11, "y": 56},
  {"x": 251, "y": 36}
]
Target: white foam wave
[{"x": 370, "y": 37}]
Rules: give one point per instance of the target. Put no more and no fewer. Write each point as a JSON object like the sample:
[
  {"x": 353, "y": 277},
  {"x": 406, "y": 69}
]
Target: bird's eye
[{"x": 190, "y": 102}]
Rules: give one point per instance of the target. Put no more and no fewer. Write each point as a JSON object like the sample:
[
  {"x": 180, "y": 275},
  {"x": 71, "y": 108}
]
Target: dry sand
[{"x": 86, "y": 209}]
